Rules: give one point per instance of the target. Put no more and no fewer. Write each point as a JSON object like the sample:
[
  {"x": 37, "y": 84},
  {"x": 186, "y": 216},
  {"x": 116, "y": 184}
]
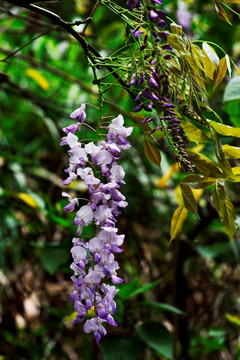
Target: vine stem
[{"x": 210, "y": 42}]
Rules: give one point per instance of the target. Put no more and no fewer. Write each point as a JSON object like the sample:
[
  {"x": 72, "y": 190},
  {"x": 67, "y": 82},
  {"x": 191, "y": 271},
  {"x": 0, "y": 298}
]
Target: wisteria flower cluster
[
  {"x": 94, "y": 264},
  {"x": 152, "y": 76}
]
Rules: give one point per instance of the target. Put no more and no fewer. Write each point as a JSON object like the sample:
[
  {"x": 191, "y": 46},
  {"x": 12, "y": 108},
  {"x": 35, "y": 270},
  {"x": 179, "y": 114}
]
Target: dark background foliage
[{"x": 178, "y": 301}]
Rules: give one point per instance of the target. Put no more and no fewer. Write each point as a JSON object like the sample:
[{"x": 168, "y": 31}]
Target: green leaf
[
  {"x": 52, "y": 259},
  {"x": 177, "y": 221},
  {"x": 157, "y": 337},
  {"x": 50, "y": 125},
  {"x": 145, "y": 288},
  {"x": 232, "y": 90},
  {"x": 225, "y": 208},
  {"x": 211, "y": 252},
  {"x": 231, "y": 152},
  {"x": 127, "y": 289},
  {"x": 61, "y": 221},
  {"x": 203, "y": 164},
  {"x": 122, "y": 349},
  {"x": 152, "y": 153},
  {"x": 222, "y": 252},
  {"x": 133, "y": 291},
  {"x": 165, "y": 307},
  {"x": 194, "y": 134},
  {"x": 189, "y": 199}
]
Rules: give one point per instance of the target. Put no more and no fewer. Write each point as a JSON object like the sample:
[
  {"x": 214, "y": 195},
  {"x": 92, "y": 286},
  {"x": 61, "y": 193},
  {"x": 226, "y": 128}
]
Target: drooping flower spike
[{"x": 94, "y": 263}]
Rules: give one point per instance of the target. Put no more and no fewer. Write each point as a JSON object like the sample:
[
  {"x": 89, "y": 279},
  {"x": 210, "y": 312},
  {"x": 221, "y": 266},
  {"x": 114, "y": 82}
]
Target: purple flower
[
  {"x": 72, "y": 202},
  {"x": 138, "y": 108},
  {"x": 167, "y": 47},
  {"x": 137, "y": 32},
  {"x": 84, "y": 215},
  {"x": 138, "y": 97},
  {"x": 184, "y": 17},
  {"x": 153, "y": 14},
  {"x": 94, "y": 261},
  {"x": 157, "y": 2},
  {"x": 162, "y": 23},
  {"x": 164, "y": 35},
  {"x": 141, "y": 79},
  {"x": 154, "y": 97},
  {"x": 133, "y": 79},
  {"x": 153, "y": 81},
  {"x": 79, "y": 113}
]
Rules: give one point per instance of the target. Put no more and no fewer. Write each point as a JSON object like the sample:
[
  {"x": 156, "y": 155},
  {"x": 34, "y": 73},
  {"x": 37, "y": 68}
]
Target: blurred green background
[{"x": 178, "y": 301}]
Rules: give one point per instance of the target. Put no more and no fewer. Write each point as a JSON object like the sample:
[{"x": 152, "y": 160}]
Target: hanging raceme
[{"x": 94, "y": 263}]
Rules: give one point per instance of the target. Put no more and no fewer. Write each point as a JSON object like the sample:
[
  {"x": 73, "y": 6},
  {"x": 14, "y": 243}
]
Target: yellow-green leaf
[
  {"x": 152, "y": 153},
  {"x": 224, "y": 164},
  {"x": 163, "y": 181},
  {"x": 237, "y": 69},
  {"x": 139, "y": 119},
  {"x": 234, "y": 319},
  {"x": 198, "y": 81},
  {"x": 38, "y": 78},
  {"x": 176, "y": 42},
  {"x": 199, "y": 181},
  {"x": 220, "y": 73},
  {"x": 196, "y": 50},
  {"x": 194, "y": 134},
  {"x": 191, "y": 61},
  {"x": 203, "y": 164},
  {"x": 231, "y": 152},
  {"x": 210, "y": 52},
  {"x": 176, "y": 29},
  {"x": 28, "y": 199},
  {"x": 70, "y": 318},
  {"x": 177, "y": 221},
  {"x": 233, "y": 1},
  {"x": 225, "y": 207},
  {"x": 221, "y": 12},
  {"x": 189, "y": 199},
  {"x": 236, "y": 170},
  {"x": 225, "y": 129},
  {"x": 208, "y": 66}
]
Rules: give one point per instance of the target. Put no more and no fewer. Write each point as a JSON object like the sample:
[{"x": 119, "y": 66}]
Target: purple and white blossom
[{"x": 94, "y": 261}]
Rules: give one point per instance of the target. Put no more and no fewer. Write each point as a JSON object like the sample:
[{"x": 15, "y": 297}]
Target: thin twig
[
  {"x": 27, "y": 44},
  {"x": 91, "y": 16},
  {"x": 87, "y": 48},
  {"x": 54, "y": 70},
  {"x": 29, "y": 19}
]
